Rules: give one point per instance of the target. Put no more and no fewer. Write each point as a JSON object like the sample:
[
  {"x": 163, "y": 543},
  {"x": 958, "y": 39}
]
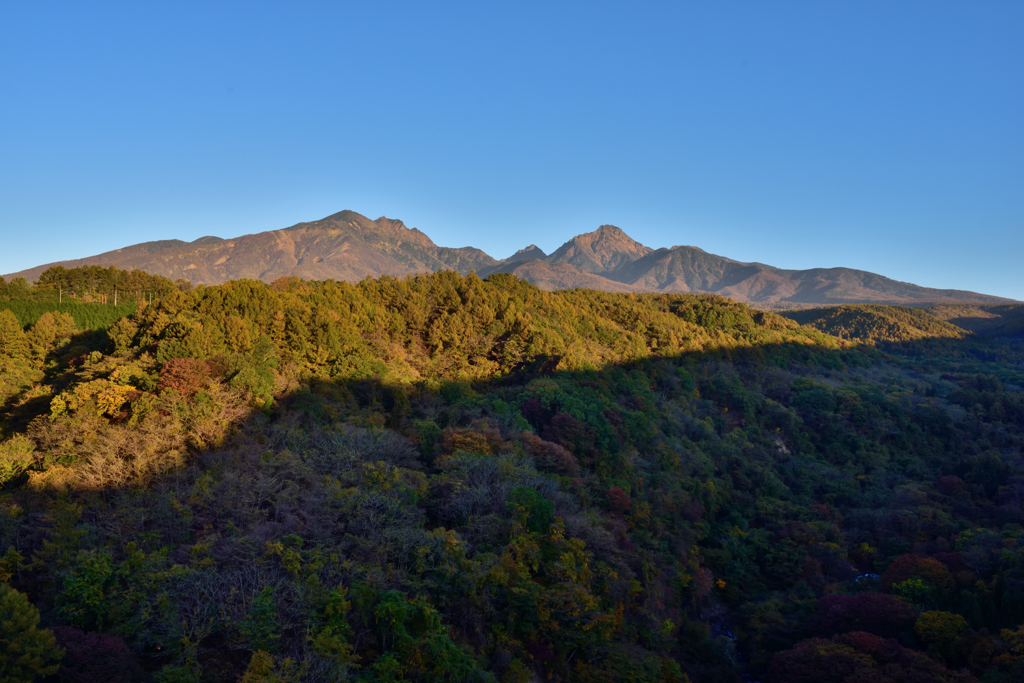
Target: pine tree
[
  {"x": 13, "y": 342},
  {"x": 26, "y": 651}
]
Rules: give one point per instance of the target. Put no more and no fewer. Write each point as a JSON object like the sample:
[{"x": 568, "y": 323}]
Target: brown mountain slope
[
  {"x": 846, "y": 285},
  {"x": 689, "y": 269},
  {"x": 344, "y": 246},
  {"x": 686, "y": 269},
  {"x": 601, "y": 251},
  {"x": 349, "y": 246}
]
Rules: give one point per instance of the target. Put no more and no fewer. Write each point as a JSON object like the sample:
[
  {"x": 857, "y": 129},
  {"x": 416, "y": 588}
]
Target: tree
[
  {"x": 253, "y": 372},
  {"x": 237, "y": 335},
  {"x": 913, "y": 566},
  {"x": 26, "y": 651},
  {"x": 16, "y": 456},
  {"x": 530, "y": 508},
  {"x": 260, "y": 627},
  {"x": 94, "y": 658},
  {"x": 187, "y": 376},
  {"x": 13, "y": 342},
  {"x": 883, "y": 615},
  {"x": 941, "y": 630},
  {"x": 50, "y": 331}
]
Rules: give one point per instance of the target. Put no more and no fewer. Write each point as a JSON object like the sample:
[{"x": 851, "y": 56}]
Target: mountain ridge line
[{"x": 349, "y": 246}]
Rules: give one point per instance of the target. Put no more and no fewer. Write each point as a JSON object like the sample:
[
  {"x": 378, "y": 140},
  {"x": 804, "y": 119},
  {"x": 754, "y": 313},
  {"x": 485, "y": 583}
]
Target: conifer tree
[{"x": 26, "y": 651}]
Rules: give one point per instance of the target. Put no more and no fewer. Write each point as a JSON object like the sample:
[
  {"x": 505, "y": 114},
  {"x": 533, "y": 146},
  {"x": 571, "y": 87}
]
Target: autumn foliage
[
  {"x": 187, "y": 376},
  {"x": 443, "y": 478}
]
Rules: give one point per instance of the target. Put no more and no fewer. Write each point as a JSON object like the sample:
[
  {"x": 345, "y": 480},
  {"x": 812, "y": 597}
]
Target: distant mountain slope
[
  {"x": 686, "y": 269},
  {"x": 552, "y": 276},
  {"x": 611, "y": 258},
  {"x": 344, "y": 246},
  {"x": 872, "y": 323},
  {"x": 690, "y": 269},
  {"x": 601, "y": 251},
  {"x": 349, "y": 246}
]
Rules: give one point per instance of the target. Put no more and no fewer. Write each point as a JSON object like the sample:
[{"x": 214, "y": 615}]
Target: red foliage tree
[
  {"x": 187, "y": 376},
  {"x": 453, "y": 440},
  {"x": 567, "y": 431},
  {"x": 915, "y": 565},
  {"x": 549, "y": 456},
  {"x": 535, "y": 413},
  {"x": 883, "y": 615},
  {"x": 955, "y": 562},
  {"x": 95, "y": 658},
  {"x": 618, "y": 500},
  {"x": 949, "y": 485}
]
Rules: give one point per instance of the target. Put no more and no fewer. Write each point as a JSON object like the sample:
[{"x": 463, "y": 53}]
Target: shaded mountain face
[
  {"x": 349, "y": 246},
  {"x": 530, "y": 252},
  {"x": 552, "y": 276}
]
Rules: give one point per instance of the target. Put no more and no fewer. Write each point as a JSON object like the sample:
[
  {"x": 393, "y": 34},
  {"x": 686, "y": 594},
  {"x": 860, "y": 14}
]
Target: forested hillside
[
  {"x": 1004, "y": 321},
  {"x": 443, "y": 478},
  {"x": 872, "y": 323}
]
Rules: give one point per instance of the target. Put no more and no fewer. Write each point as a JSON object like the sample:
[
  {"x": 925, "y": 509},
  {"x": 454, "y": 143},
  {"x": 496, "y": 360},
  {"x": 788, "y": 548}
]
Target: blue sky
[{"x": 876, "y": 135}]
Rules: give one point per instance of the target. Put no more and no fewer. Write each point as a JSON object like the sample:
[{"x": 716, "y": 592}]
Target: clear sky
[{"x": 887, "y": 136}]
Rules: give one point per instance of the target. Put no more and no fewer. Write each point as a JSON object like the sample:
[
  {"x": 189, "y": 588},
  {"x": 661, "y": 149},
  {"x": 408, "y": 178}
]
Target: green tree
[
  {"x": 941, "y": 630},
  {"x": 530, "y": 508},
  {"x": 253, "y": 372},
  {"x": 26, "y": 651},
  {"x": 13, "y": 342},
  {"x": 16, "y": 456},
  {"x": 174, "y": 674},
  {"x": 260, "y": 627},
  {"x": 51, "y": 330},
  {"x": 237, "y": 335}
]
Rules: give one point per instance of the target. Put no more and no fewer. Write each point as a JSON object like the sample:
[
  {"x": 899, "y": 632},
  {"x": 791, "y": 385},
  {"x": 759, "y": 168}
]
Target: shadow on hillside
[
  {"x": 397, "y": 406},
  {"x": 21, "y": 407},
  {"x": 976, "y": 348},
  {"x": 603, "y": 418}
]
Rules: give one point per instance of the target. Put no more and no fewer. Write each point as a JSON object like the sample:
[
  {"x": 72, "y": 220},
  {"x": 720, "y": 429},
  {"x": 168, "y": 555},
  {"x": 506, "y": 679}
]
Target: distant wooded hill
[
  {"x": 871, "y": 323},
  {"x": 348, "y": 246}
]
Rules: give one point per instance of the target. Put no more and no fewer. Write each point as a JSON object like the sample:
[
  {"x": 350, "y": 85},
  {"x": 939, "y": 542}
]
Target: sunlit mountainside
[{"x": 347, "y": 246}]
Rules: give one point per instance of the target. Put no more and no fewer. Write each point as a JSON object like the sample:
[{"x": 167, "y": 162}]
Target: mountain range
[{"x": 349, "y": 246}]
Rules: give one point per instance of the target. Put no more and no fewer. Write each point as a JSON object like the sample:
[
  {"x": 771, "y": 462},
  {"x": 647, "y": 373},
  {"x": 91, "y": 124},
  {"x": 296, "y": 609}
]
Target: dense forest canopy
[
  {"x": 89, "y": 283},
  {"x": 443, "y": 478}
]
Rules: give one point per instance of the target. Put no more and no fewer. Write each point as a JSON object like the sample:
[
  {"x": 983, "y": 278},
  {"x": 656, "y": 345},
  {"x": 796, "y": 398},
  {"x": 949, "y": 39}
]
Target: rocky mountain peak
[{"x": 600, "y": 251}]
